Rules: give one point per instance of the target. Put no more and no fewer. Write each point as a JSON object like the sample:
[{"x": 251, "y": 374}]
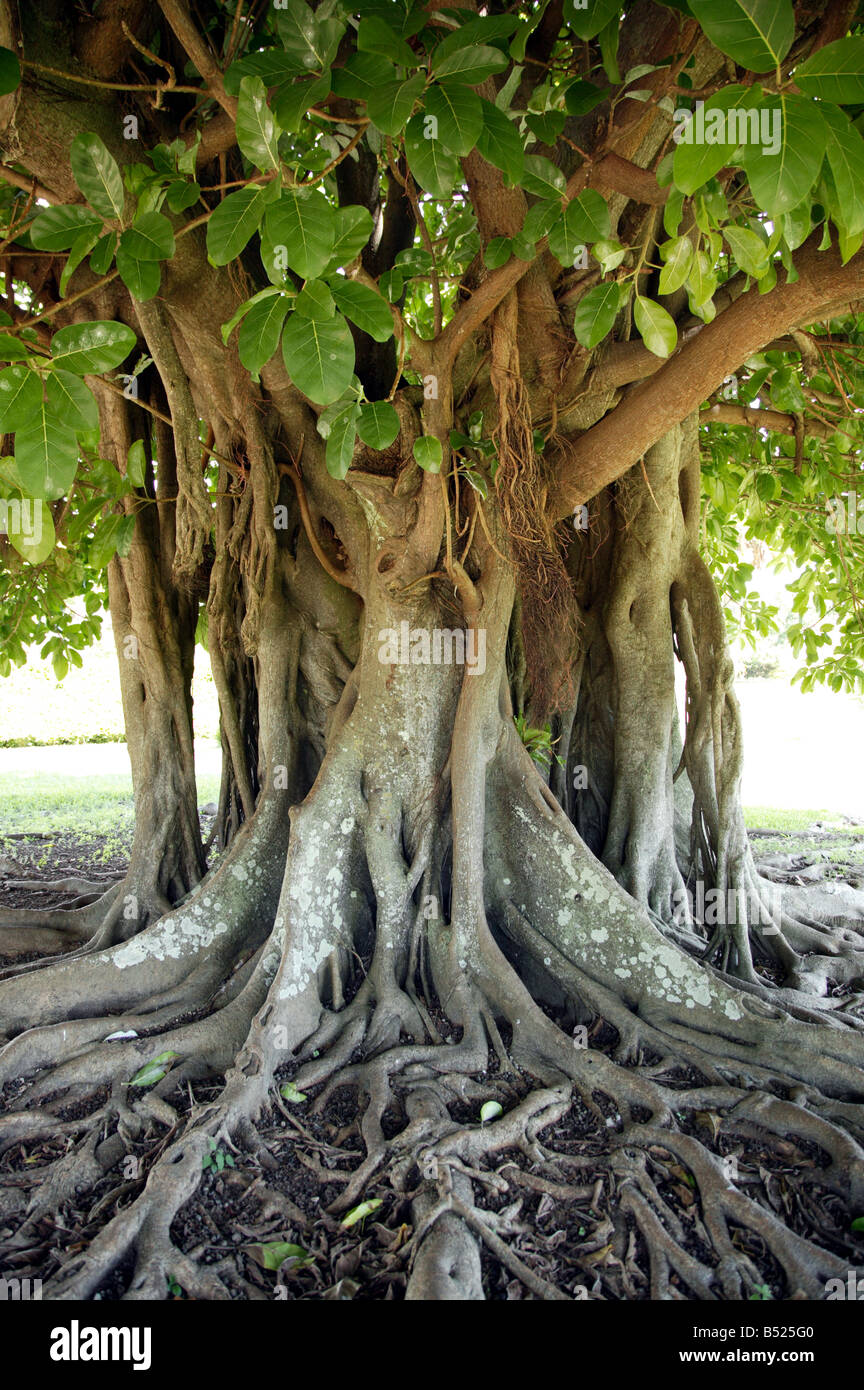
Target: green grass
[
  {"x": 92, "y": 809},
  {"x": 771, "y": 818}
]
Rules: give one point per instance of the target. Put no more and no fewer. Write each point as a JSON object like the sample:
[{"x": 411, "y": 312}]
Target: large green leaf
[
  {"x": 586, "y": 20},
  {"x": 72, "y": 401},
  {"x": 780, "y": 180},
  {"x": 319, "y": 356},
  {"x": 429, "y": 453},
  {"x": 304, "y": 224},
  {"x": 374, "y": 35},
  {"x": 150, "y": 238},
  {"x": 292, "y": 101},
  {"x": 835, "y": 72},
  {"x": 58, "y": 228},
  {"x": 363, "y": 306},
  {"x": 92, "y": 347},
  {"x": 257, "y": 131},
  {"x": 353, "y": 227},
  {"x": 702, "y": 146},
  {"x": 749, "y": 250},
  {"x": 585, "y": 219},
  {"x": 470, "y": 66},
  {"x": 499, "y": 142},
  {"x": 97, "y": 174},
  {"x": 259, "y": 333},
  {"x": 141, "y": 278},
  {"x": 362, "y": 75},
  {"x": 755, "y": 33},
  {"x": 30, "y": 529},
  {"x": 542, "y": 178},
  {"x": 658, "y": 330},
  {"x": 10, "y": 71},
  {"x": 433, "y": 166},
  {"x": 20, "y": 397},
  {"x": 595, "y": 313},
  {"x": 378, "y": 424},
  {"x": 338, "y": 426},
  {"x": 389, "y": 106},
  {"x": 677, "y": 255},
  {"x": 78, "y": 251},
  {"x": 233, "y": 224},
  {"x": 313, "y": 41},
  {"x": 845, "y": 152},
  {"x": 459, "y": 115},
  {"x": 46, "y": 453}
]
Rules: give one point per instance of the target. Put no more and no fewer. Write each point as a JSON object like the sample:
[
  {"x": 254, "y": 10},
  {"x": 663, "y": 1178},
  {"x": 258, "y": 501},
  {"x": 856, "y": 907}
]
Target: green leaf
[
  {"x": 288, "y": 1091},
  {"x": 834, "y": 73},
  {"x": 374, "y": 36},
  {"x": 459, "y": 114},
  {"x": 701, "y": 146},
  {"x": 150, "y": 238},
  {"x": 319, "y": 356},
  {"x": 20, "y": 396},
  {"x": 757, "y": 34},
  {"x": 781, "y": 180},
  {"x": 274, "y": 1253},
  {"x": 353, "y": 228},
  {"x": 303, "y": 223},
  {"x": 103, "y": 253},
  {"x": 378, "y": 424},
  {"x": 136, "y": 464},
  {"x": 499, "y": 142},
  {"x": 154, "y": 1070},
  {"x": 392, "y": 284},
  {"x": 10, "y": 72},
  {"x": 609, "y": 253},
  {"x": 595, "y": 313},
  {"x": 360, "y": 1212},
  {"x": 228, "y": 327},
  {"x": 92, "y": 347},
  {"x": 390, "y": 105},
  {"x": 498, "y": 252},
  {"x": 470, "y": 66},
  {"x": 585, "y": 219},
  {"x": 315, "y": 300},
  {"x": 12, "y": 349},
  {"x": 433, "y": 166},
  {"x": 429, "y": 453},
  {"x": 658, "y": 330},
  {"x": 30, "y": 529},
  {"x": 257, "y": 131},
  {"x": 677, "y": 256},
  {"x": 259, "y": 333},
  {"x": 233, "y": 224},
  {"x": 363, "y": 306},
  {"x": 291, "y": 102},
  {"x": 363, "y": 73},
  {"x": 490, "y": 1111},
  {"x": 749, "y": 250},
  {"x": 46, "y": 454},
  {"x": 97, "y": 175},
  {"x": 541, "y": 177},
  {"x": 72, "y": 401},
  {"x": 311, "y": 40},
  {"x": 80, "y": 248},
  {"x": 587, "y": 20},
  {"x": 858, "y": 1223},
  {"x": 582, "y": 97},
  {"x": 141, "y": 278},
  {"x": 338, "y": 426},
  {"x": 57, "y": 228},
  {"x": 786, "y": 393},
  {"x": 845, "y": 153},
  {"x": 182, "y": 195}
]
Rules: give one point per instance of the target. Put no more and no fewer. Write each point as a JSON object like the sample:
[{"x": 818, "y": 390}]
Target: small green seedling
[
  {"x": 290, "y": 1093},
  {"x": 216, "y": 1159},
  {"x": 275, "y": 1253},
  {"x": 360, "y": 1213},
  {"x": 154, "y": 1070},
  {"x": 538, "y": 742},
  {"x": 760, "y": 1293},
  {"x": 490, "y": 1111}
]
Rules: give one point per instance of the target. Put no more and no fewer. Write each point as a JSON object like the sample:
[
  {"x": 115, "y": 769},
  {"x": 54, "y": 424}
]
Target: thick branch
[
  {"x": 698, "y": 368},
  {"x": 775, "y": 420}
]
